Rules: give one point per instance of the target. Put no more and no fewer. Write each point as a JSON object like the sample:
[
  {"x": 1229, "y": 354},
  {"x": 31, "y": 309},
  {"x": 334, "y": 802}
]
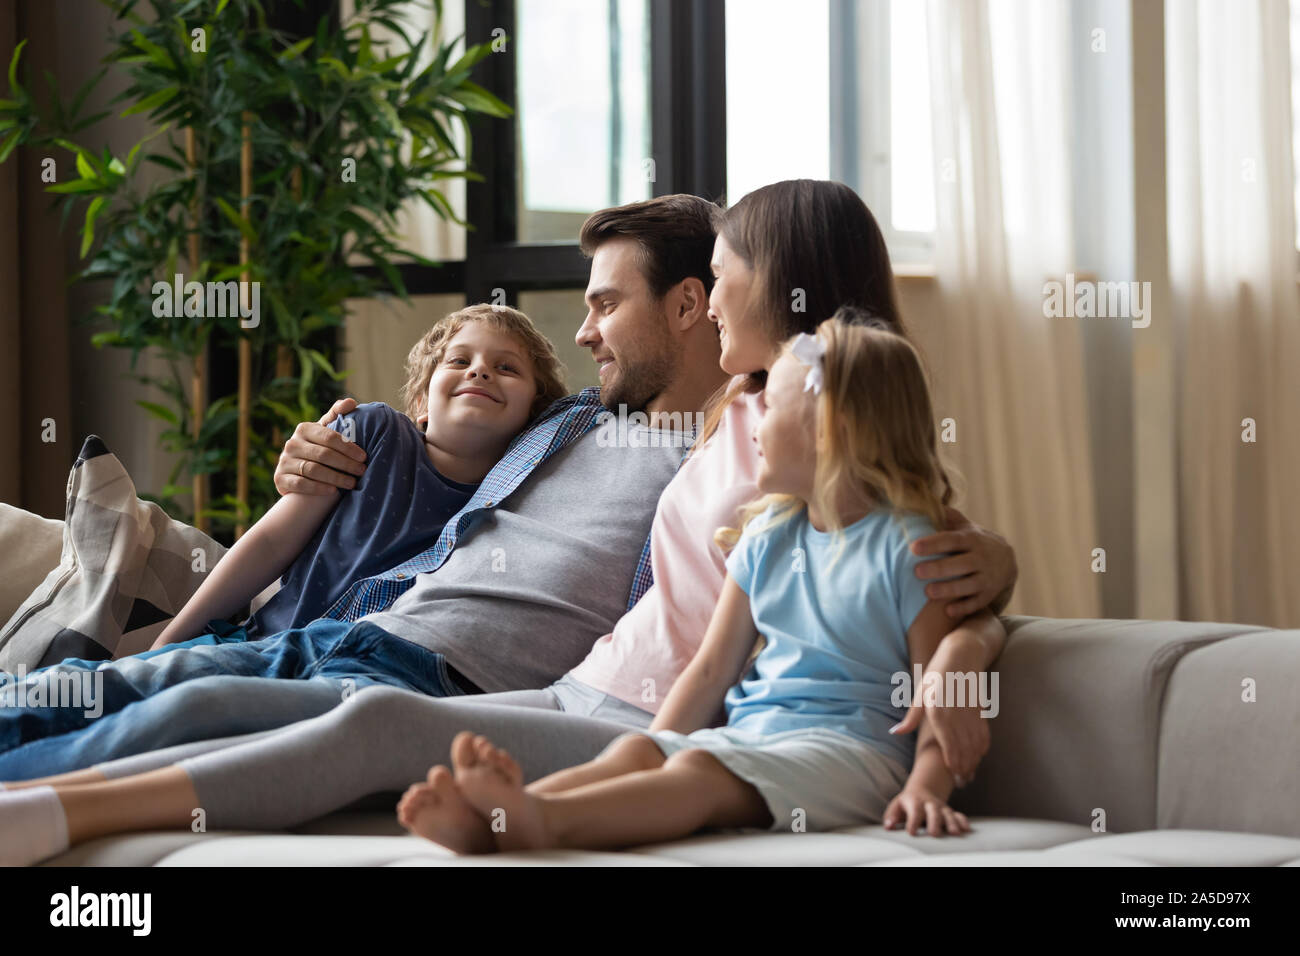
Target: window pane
[
  {"x": 583, "y": 100},
  {"x": 835, "y": 89},
  {"x": 559, "y": 314},
  {"x": 911, "y": 152},
  {"x": 778, "y": 93}
]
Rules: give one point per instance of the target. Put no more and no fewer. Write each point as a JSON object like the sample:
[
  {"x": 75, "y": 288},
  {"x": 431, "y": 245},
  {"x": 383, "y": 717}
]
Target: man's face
[{"x": 626, "y": 329}]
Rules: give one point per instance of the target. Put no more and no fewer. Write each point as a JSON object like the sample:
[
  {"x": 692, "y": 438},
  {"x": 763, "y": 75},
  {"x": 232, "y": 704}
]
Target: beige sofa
[{"x": 1118, "y": 743}]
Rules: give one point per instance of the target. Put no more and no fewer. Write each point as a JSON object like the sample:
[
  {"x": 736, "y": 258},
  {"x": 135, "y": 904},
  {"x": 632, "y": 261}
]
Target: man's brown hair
[{"x": 674, "y": 235}]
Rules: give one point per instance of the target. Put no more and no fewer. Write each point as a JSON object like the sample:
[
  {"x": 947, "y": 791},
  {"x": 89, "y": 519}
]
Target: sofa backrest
[
  {"x": 1230, "y": 737},
  {"x": 1082, "y": 721}
]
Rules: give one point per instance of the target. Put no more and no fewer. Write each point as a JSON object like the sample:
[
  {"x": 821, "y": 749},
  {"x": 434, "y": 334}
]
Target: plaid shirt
[
  {"x": 644, "y": 576},
  {"x": 563, "y": 423}
]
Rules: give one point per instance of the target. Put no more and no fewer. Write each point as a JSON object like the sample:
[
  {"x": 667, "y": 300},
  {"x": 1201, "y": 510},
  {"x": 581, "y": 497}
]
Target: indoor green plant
[{"x": 337, "y": 133}]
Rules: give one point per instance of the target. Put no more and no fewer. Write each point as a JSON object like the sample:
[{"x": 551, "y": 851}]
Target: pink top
[{"x": 654, "y": 641}]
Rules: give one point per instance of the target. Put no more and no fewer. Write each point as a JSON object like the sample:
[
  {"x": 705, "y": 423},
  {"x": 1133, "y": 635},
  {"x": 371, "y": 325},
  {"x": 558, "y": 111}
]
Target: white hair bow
[{"x": 809, "y": 349}]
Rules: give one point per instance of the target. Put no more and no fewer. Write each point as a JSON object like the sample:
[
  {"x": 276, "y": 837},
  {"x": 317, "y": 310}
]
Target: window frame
[
  {"x": 688, "y": 145},
  {"x": 861, "y": 103}
]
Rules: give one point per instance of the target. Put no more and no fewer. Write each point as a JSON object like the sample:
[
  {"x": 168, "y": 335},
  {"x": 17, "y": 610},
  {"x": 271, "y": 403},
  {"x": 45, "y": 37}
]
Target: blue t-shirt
[
  {"x": 835, "y": 634},
  {"x": 396, "y": 510}
]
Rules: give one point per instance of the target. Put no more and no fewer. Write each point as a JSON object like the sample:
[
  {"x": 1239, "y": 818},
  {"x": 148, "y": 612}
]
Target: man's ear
[{"x": 690, "y": 304}]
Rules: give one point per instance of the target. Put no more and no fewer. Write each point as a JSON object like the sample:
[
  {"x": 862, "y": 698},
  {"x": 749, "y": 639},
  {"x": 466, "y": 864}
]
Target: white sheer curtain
[
  {"x": 1232, "y": 263},
  {"x": 1012, "y": 379}
]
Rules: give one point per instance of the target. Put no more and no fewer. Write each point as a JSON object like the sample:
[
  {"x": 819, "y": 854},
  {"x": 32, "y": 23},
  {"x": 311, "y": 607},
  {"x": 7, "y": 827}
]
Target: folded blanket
[{"x": 125, "y": 570}]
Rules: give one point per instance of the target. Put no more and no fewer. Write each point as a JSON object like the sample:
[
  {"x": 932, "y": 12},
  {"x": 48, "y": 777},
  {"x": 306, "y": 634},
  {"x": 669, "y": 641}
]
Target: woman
[{"x": 786, "y": 257}]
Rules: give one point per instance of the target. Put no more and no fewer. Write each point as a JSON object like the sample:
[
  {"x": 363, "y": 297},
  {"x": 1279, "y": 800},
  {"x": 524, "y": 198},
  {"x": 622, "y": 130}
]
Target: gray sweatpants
[{"x": 380, "y": 740}]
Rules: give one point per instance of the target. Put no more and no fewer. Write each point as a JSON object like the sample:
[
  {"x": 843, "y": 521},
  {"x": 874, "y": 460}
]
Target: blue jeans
[
  {"x": 218, "y": 632},
  {"x": 199, "y": 692}
]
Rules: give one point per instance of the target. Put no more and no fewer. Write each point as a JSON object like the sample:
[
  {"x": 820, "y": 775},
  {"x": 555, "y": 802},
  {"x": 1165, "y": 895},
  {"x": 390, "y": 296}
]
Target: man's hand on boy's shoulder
[
  {"x": 980, "y": 562},
  {"x": 317, "y": 460}
]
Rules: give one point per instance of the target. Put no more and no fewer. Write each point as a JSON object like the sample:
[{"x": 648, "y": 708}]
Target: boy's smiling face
[{"x": 484, "y": 383}]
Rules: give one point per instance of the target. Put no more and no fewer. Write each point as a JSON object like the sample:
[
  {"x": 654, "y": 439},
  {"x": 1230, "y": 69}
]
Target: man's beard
[
  {"x": 638, "y": 384},
  {"x": 646, "y": 371}
]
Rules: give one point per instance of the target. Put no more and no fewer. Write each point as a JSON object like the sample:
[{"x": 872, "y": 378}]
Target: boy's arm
[
  {"x": 257, "y": 559},
  {"x": 698, "y": 693}
]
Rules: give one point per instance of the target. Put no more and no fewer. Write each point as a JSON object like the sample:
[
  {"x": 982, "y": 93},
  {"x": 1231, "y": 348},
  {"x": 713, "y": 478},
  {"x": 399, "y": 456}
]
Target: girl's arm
[
  {"x": 698, "y": 693},
  {"x": 257, "y": 559},
  {"x": 968, "y": 649},
  {"x": 929, "y": 785},
  {"x": 924, "y": 798}
]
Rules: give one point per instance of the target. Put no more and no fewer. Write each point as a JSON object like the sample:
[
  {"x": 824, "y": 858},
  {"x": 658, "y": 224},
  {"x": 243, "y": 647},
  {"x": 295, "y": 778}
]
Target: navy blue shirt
[{"x": 397, "y": 510}]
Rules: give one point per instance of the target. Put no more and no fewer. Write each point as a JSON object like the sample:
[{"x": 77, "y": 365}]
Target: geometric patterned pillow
[{"x": 126, "y": 569}]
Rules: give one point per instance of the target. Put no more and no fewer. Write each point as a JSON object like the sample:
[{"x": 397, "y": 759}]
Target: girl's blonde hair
[
  {"x": 429, "y": 351},
  {"x": 875, "y": 430}
]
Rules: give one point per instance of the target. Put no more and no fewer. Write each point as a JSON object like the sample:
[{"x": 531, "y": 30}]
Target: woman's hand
[
  {"x": 917, "y": 804},
  {"x": 982, "y": 565},
  {"x": 317, "y": 460}
]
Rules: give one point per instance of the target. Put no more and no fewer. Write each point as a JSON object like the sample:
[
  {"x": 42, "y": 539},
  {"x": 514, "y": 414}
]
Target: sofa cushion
[
  {"x": 1228, "y": 763},
  {"x": 986, "y": 834},
  {"x": 992, "y": 842},
  {"x": 126, "y": 569},
  {"x": 29, "y": 547},
  {"x": 1079, "y": 719},
  {"x": 1182, "y": 848}
]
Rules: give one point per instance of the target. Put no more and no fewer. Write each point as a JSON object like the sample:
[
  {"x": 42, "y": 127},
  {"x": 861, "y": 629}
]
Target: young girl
[
  {"x": 823, "y": 574},
  {"x": 473, "y": 382}
]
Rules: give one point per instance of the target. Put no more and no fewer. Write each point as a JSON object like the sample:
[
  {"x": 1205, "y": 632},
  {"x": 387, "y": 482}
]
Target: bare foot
[
  {"x": 492, "y": 782},
  {"x": 437, "y": 811}
]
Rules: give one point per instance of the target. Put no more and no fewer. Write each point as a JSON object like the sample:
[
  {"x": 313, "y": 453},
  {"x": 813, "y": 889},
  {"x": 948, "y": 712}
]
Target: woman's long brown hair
[{"x": 814, "y": 246}]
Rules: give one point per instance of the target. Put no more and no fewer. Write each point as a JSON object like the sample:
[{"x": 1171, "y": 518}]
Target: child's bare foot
[
  {"x": 437, "y": 811},
  {"x": 492, "y": 782}
]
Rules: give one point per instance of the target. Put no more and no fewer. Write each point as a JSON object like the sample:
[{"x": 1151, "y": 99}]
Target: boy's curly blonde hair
[{"x": 429, "y": 351}]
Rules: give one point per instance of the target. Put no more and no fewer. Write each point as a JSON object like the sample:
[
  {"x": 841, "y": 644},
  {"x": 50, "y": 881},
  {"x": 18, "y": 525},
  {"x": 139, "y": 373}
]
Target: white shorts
[{"x": 811, "y": 780}]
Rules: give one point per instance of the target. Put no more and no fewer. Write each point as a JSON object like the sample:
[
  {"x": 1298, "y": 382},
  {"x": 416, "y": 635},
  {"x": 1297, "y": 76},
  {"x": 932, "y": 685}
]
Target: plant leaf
[
  {"x": 13, "y": 68},
  {"x": 245, "y": 228},
  {"x": 88, "y": 231},
  {"x": 160, "y": 411},
  {"x": 152, "y": 101},
  {"x": 293, "y": 52},
  {"x": 9, "y": 145}
]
